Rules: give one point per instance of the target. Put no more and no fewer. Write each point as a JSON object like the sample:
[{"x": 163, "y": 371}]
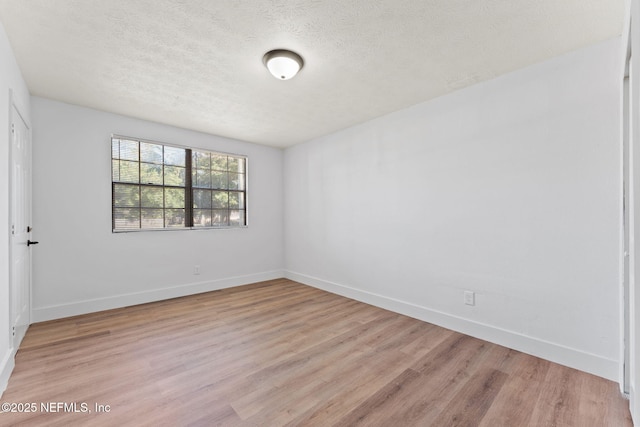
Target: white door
[{"x": 20, "y": 227}]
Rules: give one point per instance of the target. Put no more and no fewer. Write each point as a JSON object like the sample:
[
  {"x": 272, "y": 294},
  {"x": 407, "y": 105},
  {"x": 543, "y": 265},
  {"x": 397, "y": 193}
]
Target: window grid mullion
[
  {"x": 164, "y": 199},
  {"x": 139, "y": 189},
  {"x": 188, "y": 200}
]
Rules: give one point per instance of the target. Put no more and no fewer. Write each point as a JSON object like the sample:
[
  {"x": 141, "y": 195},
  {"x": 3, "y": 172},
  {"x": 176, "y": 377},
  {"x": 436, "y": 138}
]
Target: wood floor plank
[
  {"x": 281, "y": 353},
  {"x": 443, "y": 371},
  {"x": 469, "y": 405},
  {"x": 598, "y": 402},
  {"x": 513, "y": 404},
  {"x": 556, "y": 402},
  {"x": 374, "y": 410},
  {"x": 351, "y": 385}
]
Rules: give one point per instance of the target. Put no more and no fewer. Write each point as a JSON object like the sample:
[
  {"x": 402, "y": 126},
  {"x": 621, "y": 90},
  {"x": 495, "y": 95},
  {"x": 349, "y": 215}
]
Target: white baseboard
[
  {"x": 6, "y": 367},
  {"x": 553, "y": 352},
  {"x": 634, "y": 405},
  {"x": 41, "y": 314}
]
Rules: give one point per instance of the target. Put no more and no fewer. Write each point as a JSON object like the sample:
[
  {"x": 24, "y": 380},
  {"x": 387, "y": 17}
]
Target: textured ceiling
[{"x": 197, "y": 64}]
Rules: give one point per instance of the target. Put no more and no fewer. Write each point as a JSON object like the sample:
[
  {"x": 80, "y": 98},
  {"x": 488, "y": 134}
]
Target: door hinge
[
  {"x": 13, "y": 128},
  {"x": 13, "y": 331},
  {"x": 13, "y": 229}
]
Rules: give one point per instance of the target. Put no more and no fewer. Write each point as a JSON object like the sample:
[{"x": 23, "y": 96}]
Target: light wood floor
[{"x": 281, "y": 353}]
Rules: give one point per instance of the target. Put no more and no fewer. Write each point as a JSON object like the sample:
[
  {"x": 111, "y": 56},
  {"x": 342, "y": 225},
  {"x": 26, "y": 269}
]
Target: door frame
[
  {"x": 630, "y": 129},
  {"x": 625, "y": 301}
]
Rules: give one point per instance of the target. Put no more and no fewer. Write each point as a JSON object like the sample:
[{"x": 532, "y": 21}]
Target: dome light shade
[{"x": 283, "y": 64}]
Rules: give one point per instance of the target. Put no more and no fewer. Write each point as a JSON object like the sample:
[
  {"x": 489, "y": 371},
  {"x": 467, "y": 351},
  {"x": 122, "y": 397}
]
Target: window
[{"x": 157, "y": 186}]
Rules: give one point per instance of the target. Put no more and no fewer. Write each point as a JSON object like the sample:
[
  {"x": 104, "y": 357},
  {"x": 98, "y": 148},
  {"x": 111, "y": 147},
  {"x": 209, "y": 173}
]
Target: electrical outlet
[
  {"x": 469, "y": 298},
  {"x": 196, "y": 269}
]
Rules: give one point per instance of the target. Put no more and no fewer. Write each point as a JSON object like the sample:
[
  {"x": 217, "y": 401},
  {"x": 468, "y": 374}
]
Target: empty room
[{"x": 319, "y": 213}]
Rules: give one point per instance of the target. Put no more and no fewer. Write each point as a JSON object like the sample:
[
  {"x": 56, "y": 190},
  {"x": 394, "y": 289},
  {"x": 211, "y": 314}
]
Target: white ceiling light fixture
[{"x": 283, "y": 64}]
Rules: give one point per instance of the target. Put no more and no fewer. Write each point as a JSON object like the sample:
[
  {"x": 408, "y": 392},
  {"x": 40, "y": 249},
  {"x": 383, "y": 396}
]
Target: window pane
[
  {"x": 174, "y": 198},
  {"x": 201, "y": 160},
  {"x": 151, "y": 153},
  {"x": 236, "y": 181},
  {"x": 126, "y": 195},
  {"x": 115, "y": 148},
  {"x": 129, "y": 171},
  {"x": 236, "y": 200},
  {"x": 129, "y": 150},
  {"x": 202, "y": 199},
  {"x": 236, "y": 218},
  {"x": 115, "y": 170},
  {"x": 174, "y": 218},
  {"x": 220, "y": 217},
  {"x": 219, "y": 162},
  {"x": 152, "y": 197},
  {"x": 219, "y": 180},
  {"x": 152, "y": 218},
  {"x": 150, "y": 174},
  {"x": 174, "y": 175},
  {"x": 126, "y": 218},
  {"x": 203, "y": 178},
  {"x": 174, "y": 156},
  {"x": 220, "y": 199},
  {"x": 236, "y": 165},
  {"x": 201, "y": 218}
]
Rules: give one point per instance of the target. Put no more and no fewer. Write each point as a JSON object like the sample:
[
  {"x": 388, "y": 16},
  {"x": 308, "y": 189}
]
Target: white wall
[
  {"x": 509, "y": 188},
  {"x": 10, "y": 81},
  {"x": 81, "y": 266}
]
